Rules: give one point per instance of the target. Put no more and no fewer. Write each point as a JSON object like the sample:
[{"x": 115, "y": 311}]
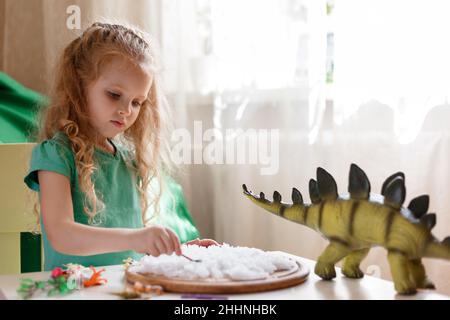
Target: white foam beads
[{"x": 217, "y": 262}]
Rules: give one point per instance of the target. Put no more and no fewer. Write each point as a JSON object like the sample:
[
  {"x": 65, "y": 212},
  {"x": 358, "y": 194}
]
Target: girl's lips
[{"x": 118, "y": 124}]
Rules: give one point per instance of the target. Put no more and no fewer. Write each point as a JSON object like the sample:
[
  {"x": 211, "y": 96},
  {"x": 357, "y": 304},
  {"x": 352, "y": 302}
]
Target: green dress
[{"x": 115, "y": 182}]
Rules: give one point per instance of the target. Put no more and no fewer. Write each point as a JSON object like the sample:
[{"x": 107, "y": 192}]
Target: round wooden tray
[{"x": 277, "y": 280}]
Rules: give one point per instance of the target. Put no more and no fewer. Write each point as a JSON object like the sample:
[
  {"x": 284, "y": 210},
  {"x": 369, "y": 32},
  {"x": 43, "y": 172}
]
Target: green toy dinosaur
[{"x": 355, "y": 222}]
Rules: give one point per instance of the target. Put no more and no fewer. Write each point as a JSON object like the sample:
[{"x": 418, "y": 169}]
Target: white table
[{"x": 313, "y": 289}]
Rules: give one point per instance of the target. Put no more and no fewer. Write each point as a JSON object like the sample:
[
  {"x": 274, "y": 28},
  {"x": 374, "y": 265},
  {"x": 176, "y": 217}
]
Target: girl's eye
[
  {"x": 136, "y": 104},
  {"x": 114, "y": 95}
]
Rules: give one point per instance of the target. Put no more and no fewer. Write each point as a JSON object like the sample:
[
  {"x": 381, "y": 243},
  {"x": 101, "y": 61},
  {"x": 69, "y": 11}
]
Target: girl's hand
[
  {"x": 203, "y": 242},
  {"x": 157, "y": 240}
]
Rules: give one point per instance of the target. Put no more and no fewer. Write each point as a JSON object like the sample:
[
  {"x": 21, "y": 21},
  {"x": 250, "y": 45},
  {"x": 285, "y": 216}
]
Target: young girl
[{"x": 102, "y": 146}]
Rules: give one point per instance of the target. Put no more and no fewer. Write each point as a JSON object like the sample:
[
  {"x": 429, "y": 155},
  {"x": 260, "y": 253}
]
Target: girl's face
[{"x": 115, "y": 98}]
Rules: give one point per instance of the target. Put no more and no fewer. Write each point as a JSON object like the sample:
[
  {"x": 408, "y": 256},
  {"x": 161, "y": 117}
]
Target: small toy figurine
[{"x": 356, "y": 222}]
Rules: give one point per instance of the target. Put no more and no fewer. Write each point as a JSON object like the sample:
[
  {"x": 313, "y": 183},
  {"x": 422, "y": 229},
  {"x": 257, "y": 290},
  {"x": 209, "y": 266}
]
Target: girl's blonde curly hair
[{"x": 80, "y": 64}]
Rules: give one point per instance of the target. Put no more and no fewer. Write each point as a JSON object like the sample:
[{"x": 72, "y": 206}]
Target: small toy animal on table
[{"x": 355, "y": 222}]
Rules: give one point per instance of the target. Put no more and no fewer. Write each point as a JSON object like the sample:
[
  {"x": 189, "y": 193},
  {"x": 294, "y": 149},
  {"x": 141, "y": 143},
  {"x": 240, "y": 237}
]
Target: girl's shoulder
[
  {"x": 54, "y": 155},
  {"x": 60, "y": 139},
  {"x": 51, "y": 149}
]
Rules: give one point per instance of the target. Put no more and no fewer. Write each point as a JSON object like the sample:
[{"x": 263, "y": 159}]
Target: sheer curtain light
[
  {"x": 394, "y": 52},
  {"x": 261, "y": 64}
]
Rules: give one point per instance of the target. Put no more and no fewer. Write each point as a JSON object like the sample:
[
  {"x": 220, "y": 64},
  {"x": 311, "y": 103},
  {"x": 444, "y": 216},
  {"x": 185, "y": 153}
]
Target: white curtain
[
  {"x": 390, "y": 96},
  {"x": 261, "y": 65},
  {"x": 230, "y": 68},
  {"x": 263, "y": 75},
  {"x": 393, "y": 53}
]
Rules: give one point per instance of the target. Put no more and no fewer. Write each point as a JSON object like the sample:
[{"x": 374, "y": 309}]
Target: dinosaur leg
[
  {"x": 399, "y": 265},
  {"x": 332, "y": 254},
  {"x": 352, "y": 261},
  {"x": 417, "y": 272}
]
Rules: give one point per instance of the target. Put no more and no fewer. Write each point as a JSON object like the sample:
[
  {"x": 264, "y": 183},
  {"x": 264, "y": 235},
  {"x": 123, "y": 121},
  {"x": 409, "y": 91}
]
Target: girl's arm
[{"x": 69, "y": 237}]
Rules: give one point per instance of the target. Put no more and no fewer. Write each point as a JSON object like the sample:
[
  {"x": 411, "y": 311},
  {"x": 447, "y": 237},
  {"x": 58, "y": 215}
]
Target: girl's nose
[{"x": 125, "y": 109}]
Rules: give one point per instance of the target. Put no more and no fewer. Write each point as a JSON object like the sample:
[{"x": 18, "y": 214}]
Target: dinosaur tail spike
[
  {"x": 390, "y": 179},
  {"x": 297, "y": 197},
  {"x": 419, "y": 205},
  {"x": 428, "y": 220},
  {"x": 395, "y": 193},
  {"x": 276, "y": 196},
  {"x": 275, "y": 206},
  {"x": 314, "y": 191},
  {"x": 358, "y": 183},
  {"x": 326, "y": 185}
]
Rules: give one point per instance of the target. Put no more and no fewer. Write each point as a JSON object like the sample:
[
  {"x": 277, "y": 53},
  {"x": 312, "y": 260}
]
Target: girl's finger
[
  {"x": 159, "y": 244},
  {"x": 175, "y": 241},
  {"x": 208, "y": 242},
  {"x": 167, "y": 238},
  {"x": 152, "y": 250},
  {"x": 195, "y": 241}
]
